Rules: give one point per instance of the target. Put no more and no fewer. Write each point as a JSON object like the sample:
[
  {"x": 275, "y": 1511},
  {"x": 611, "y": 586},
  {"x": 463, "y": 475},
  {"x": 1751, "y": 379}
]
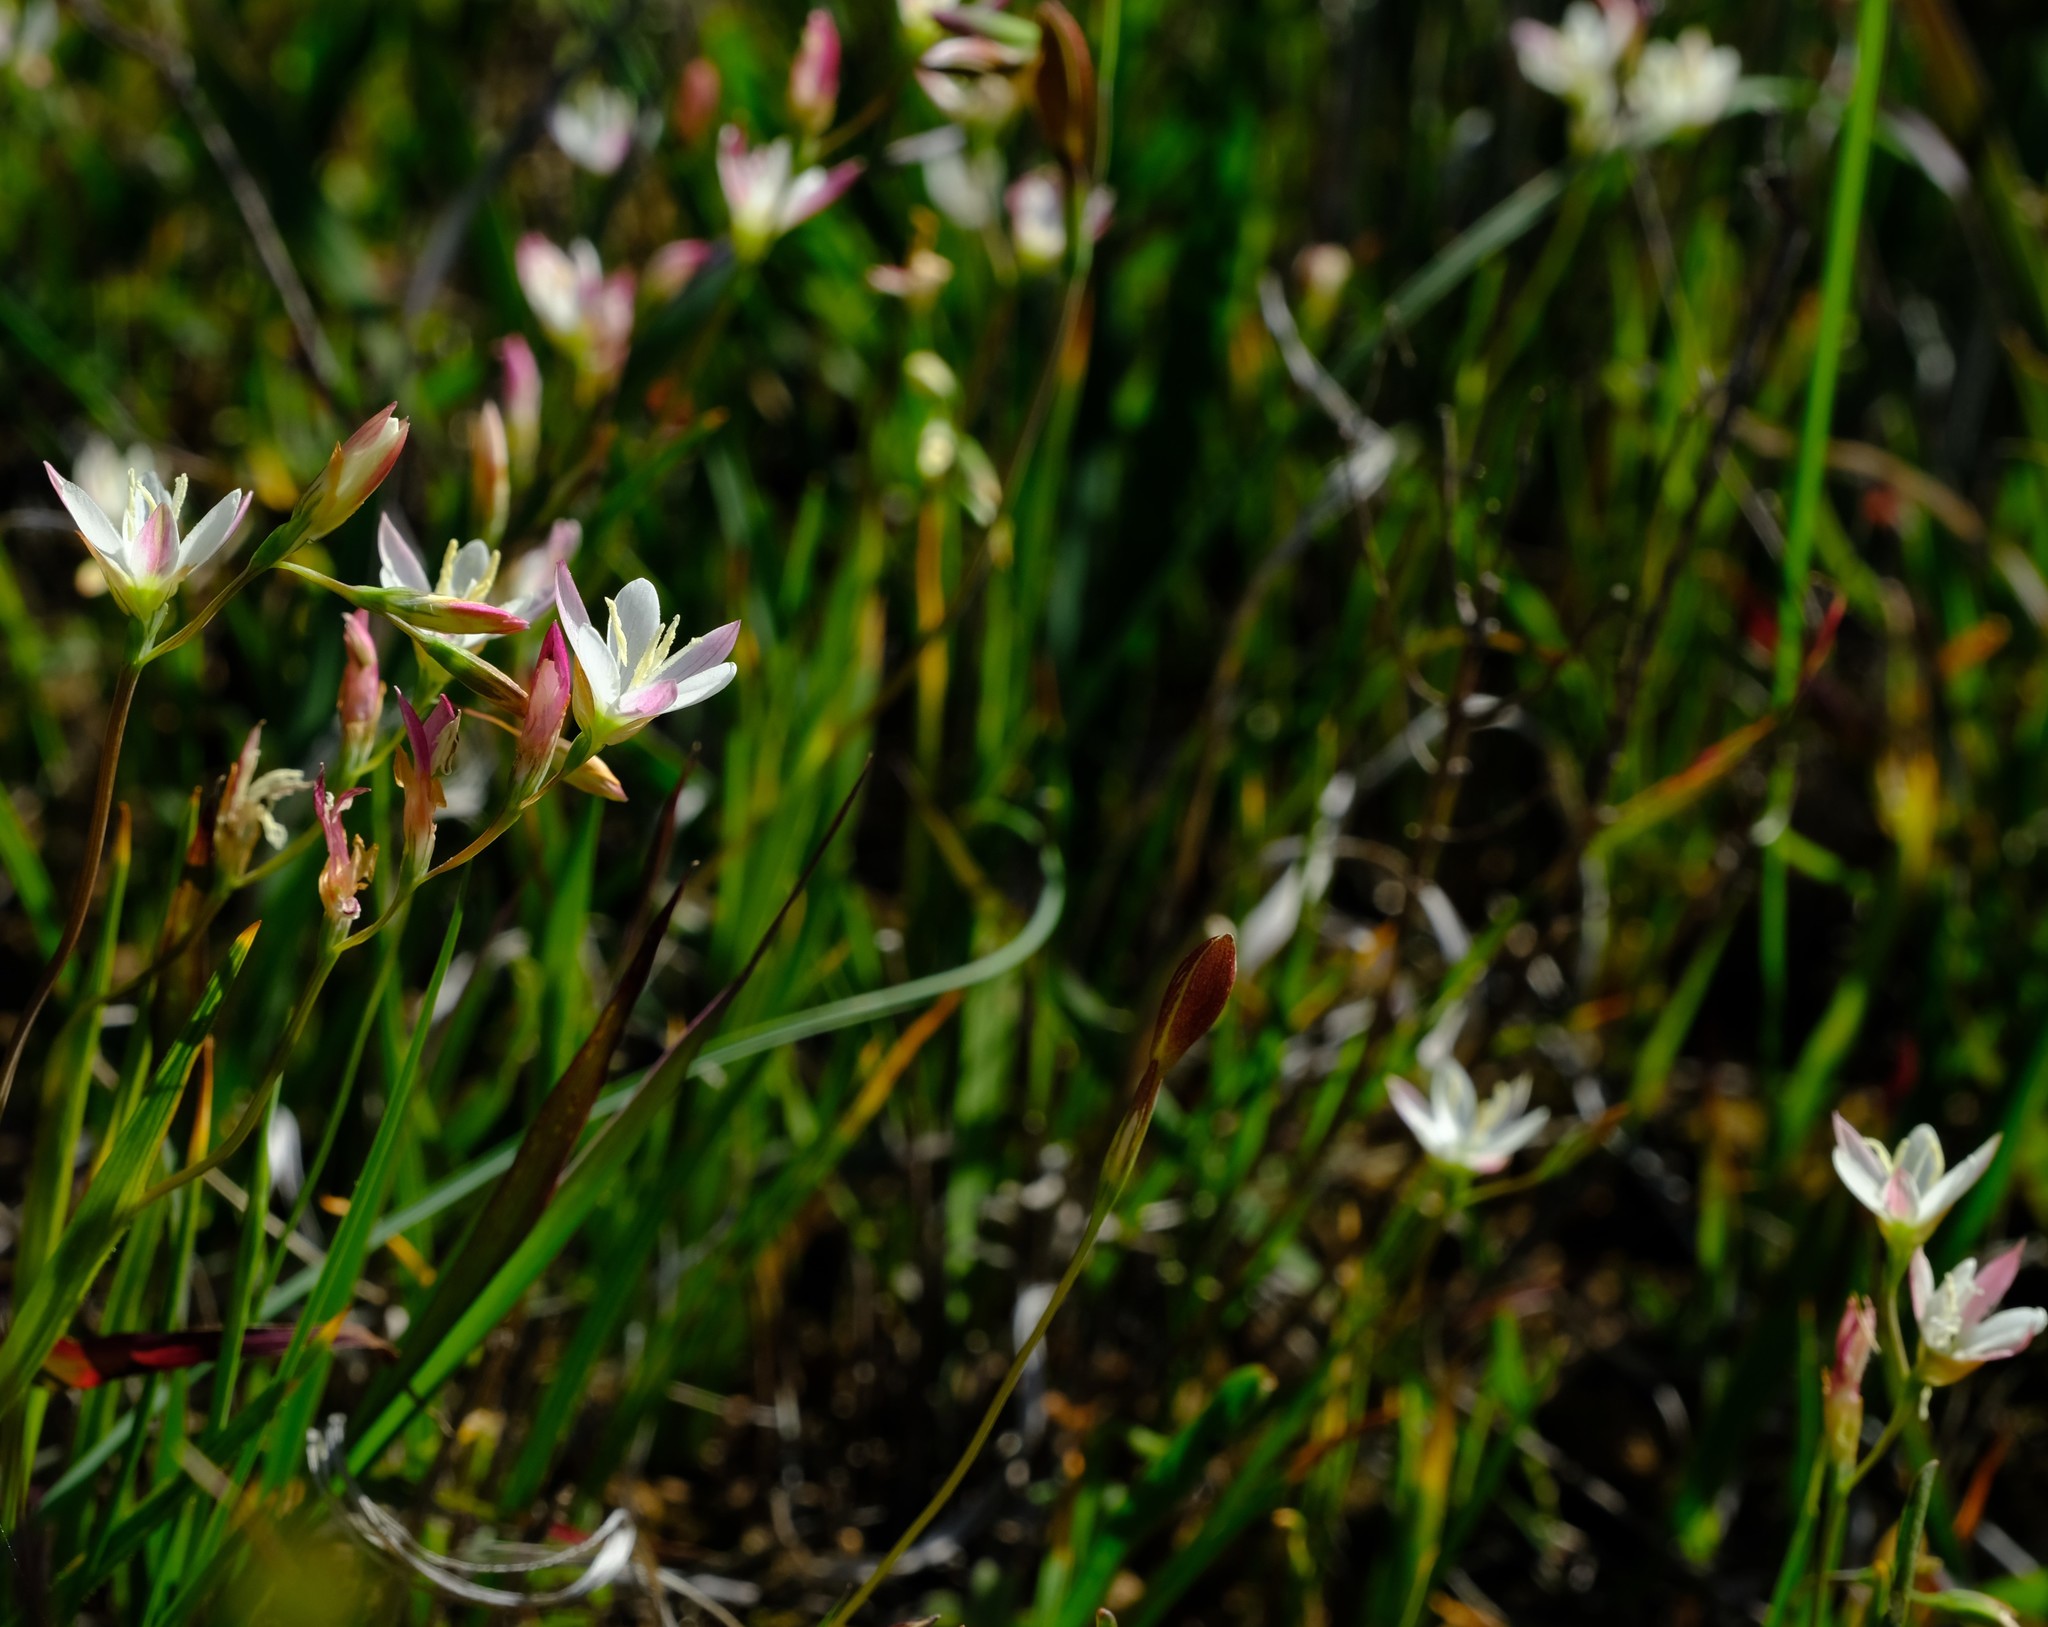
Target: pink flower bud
[
  {"x": 361, "y": 700},
  {"x": 418, "y": 770},
  {"x": 814, "y": 75},
  {"x": 697, "y": 93},
  {"x": 1842, "y": 1385},
  {"x": 356, "y": 468},
  {"x": 522, "y": 405},
  {"x": 672, "y": 267},
  {"x": 547, "y": 704},
  {"x": 490, "y": 473}
]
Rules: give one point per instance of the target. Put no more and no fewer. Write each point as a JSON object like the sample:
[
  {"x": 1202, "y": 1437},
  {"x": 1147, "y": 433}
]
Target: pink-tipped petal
[{"x": 1994, "y": 1281}]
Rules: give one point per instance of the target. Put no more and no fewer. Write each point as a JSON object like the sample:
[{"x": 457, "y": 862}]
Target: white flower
[
  {"x": 469, "y": 573},
  {"x": 1452, "y": 1125},
  {"x": 1577, "y": 61},
  {"x": 585, "y": 312},
  {"x": 767, "y": 196},
  {"x": 594, "y": 127},
  {"x": 1906, "y": 1188},
  {"x": 1681, "y": 86},
  {"x": 1961, "y": 1326},
  {"x": 632, "y": 673},
  {"x": 145, "y": 558}
]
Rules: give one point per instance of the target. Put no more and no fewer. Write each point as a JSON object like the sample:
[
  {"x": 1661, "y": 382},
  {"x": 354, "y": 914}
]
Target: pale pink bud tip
[
  {"x": 814, "y": 75},
  {"x": 1194, "y": 1000}
]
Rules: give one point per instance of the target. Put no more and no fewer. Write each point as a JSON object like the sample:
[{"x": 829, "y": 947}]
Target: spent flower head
[
  {"x": 244, "y": 815},
  {"x": 348, "y": 869},
  {"x": 632, "y": 673},
  {"x": 360, "y": 700},
  {"x": 419, "y": 767},
  {"x": 1961, "y": 1326},
  {"x": 145, "y": 557},
  {"x": 1909, "y": 1188}
]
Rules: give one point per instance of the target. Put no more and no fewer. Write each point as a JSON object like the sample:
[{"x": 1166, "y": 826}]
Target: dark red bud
[{"x": 1195, "y": 998}]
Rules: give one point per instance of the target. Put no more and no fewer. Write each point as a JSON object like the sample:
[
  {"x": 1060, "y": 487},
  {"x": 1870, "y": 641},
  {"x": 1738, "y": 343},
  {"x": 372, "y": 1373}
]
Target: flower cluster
[{"x": 1619, "y": 94}]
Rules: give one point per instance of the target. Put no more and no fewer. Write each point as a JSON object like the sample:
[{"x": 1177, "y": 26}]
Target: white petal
[
  {"x": 703, "y": 686},
  {"x": 1920, "y": 1276},
  {"x": 1865, "y": 1188},
  {"x": 594, "y": 656},
  {"x": 2005, "y": 1334},
  {"x": 471, "y": 564},
  {"x": 1919, "y": 1159},
  {"x": 93, "y": 525},
  {"x": 1450, "y": 1087},
  {"x": 1417, "y": 1114},
  {"x": 399, "y": 561},
  {"x": 637, "y": 613},
  {"x": 1504, "y": 1144},
  {"x": 1942, "y": 1196},
  {"x": 204, "y": 540}
]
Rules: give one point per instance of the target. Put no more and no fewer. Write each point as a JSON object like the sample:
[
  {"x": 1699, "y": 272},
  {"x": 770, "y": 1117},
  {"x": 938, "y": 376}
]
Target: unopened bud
[
  {"x": 697, "y": 93},
  {"x": 1066, "y": 88},
  {"x": 522, "y": 405},
  {"x": 814, "y": 76},
  {"x": 1195, "y": 998},
  {"x": 490, "y": 473},
  {"x": 418, "y": 766},
  {"x": 547, "y": 704},
  {"x": 1842, "y": 1385},
  {"x": 356, "y": 468},
  {"x": 361, "y": 698},
  {"x": 673, "y": 267}
]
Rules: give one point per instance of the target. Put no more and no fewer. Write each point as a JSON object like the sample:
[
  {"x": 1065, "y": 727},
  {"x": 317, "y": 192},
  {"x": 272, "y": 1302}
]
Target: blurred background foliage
[{"x": 1184, "y": 675}]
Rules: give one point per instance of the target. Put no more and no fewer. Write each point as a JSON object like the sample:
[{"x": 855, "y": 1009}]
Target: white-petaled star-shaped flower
[
  {"x": 1453, "y": 1126},
  {"x": 1910, "y": 1188},
  {"x": 1681, "y": 85},
  {"x": 632, "y": 673},
  {"x": 469, "y": 576},
  {"x": 1961, "y": 1326},
  {"x": 145, "y": 557},
  {"x": 767, "y": 195}
]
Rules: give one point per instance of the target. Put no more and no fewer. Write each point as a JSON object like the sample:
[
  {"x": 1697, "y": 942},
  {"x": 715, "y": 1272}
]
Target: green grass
[{"x": 1612, "y": 614}]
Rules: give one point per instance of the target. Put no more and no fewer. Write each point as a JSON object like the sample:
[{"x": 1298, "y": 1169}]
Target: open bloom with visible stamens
[
  {"x": 419, "y": 766},
  {"x": 1453, "y": 1127},
  {"x": 1961, "y": 1326},
  {"x": 144, "y": 557},
  {"x": 1909, "y": 1189},
  {"x": 586, "y": 313},
  {"x": 767, "y": 196},
  {"x": 456, "y": 604},
  {"x": 244, "y": 815},
  {"x": 1577, "y": 62},
  {"x": 1681, "y": 85},
  {"x": 348, "y": 870},
  {"x": 632, "y": 673}
]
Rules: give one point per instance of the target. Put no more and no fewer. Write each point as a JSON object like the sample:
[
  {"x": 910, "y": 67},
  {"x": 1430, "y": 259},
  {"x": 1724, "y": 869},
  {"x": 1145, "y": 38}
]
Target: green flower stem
[{"x": 89, "y": 871}]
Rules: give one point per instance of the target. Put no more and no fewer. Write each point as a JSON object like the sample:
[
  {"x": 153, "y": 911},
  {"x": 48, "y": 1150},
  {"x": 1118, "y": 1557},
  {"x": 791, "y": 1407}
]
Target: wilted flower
[
  {"x": 697, "y": 92},
  {"x": 594, "y": 127},
  {"x": 632, "y": 674},
  {"x": 356, "y": 467},
  {"x": 490, "y": 472},
  {"x": 766, "y": 196},
  {"x": 1906, "y": 1188},
  {"x": 1681, "y": 86},
  {"x": 1453, "y": 1126},
  {"x": 361, "y": 698},
  {"x": 917, "y": 281},
  {"x": 586, "y": 313},
  {"x": 244, "y": 814},
  {"x": 1037, "y": 202},
  {"x": 145, "y": 557},
  {"x": 418, "y": 766},
  {"x": 457, "y": 603},
  {"x": 348, "y": 870},
  {"x": 674, "y": 266},
  {"x": 1842, "y": 1385},
  {"x": 547, "y": 704},
  {"x": 1577, "y": 62},
  {"x": 814, "y": 75},
  {"x": 522, "y": 405},
  {"x": 1961, "y": 1326}
]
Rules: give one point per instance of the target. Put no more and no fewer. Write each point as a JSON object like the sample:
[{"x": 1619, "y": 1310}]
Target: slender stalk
[
  {"x": 88, "y": 875},
  {"x": 989, "y": 1419}
]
